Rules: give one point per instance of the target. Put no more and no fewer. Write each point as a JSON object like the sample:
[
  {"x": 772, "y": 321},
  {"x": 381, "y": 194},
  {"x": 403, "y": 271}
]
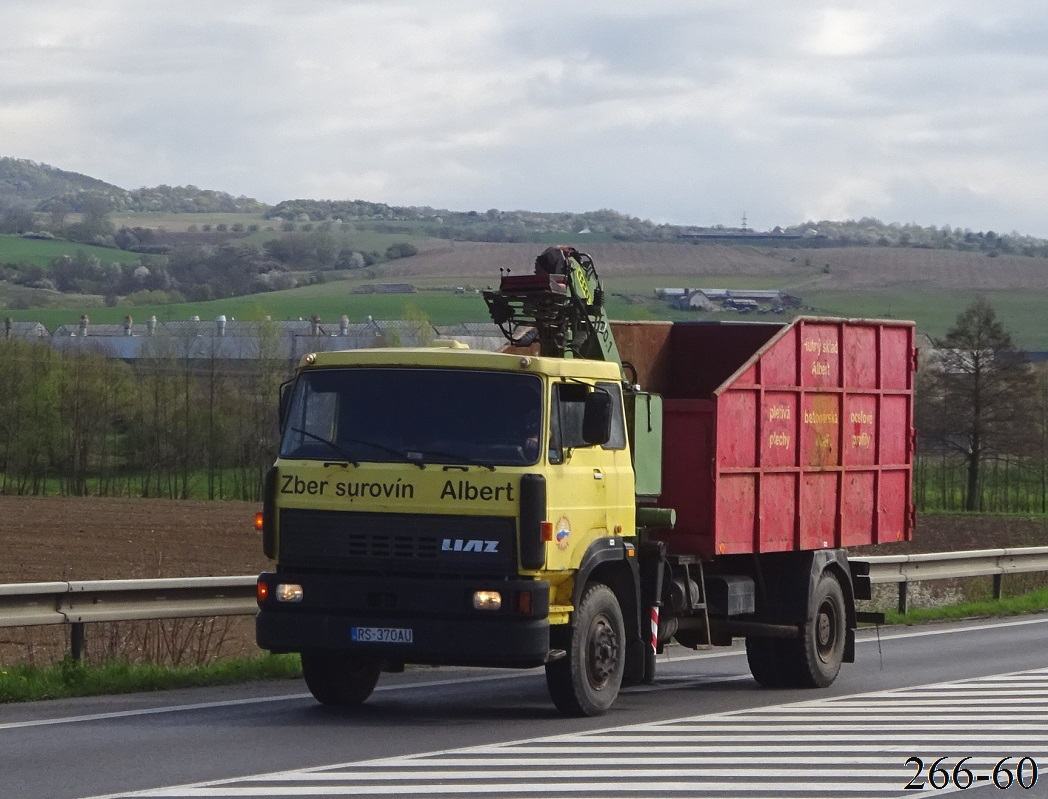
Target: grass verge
[
  {"x": 1032, "y": 602},
  {"x": 70, "y": 678}
]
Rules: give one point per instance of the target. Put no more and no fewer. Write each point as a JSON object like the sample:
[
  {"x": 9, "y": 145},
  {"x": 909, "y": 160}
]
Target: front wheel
[
  {"x": 586, "y": 681},
  {"x": 338, "y": 679}
]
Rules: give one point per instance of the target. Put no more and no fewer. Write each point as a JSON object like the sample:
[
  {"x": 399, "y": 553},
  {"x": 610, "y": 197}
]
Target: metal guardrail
[
  {"x": 906, "y": 569},
  {"x": 80, "y": 603}
]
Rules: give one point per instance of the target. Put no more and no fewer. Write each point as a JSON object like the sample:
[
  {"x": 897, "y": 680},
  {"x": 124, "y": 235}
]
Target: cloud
[{"x": 694, "y": 113}]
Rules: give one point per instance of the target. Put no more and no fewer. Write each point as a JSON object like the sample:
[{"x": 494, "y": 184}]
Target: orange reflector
[
  {"x": 547, "y": 530},
  {"x": 524, "y": 603},
  {"x": 262, "y": 591},
  {"x": 258, "y": 521}
]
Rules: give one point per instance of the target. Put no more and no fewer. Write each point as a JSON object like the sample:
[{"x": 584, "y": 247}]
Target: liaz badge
[{"x": 562, "y": 533}]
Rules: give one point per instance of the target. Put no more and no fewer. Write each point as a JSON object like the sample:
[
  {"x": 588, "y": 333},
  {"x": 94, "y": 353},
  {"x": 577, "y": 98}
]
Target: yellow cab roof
[{"x": 452, "y": 355}]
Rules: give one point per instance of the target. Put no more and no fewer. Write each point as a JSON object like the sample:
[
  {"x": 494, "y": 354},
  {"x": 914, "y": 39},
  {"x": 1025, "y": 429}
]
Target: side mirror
[{"x": 596, "y": 418}]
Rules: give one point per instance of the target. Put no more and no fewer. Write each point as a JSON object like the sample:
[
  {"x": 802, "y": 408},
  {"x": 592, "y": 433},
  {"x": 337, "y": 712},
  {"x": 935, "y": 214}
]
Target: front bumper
[{"x": 445, "y": 629}]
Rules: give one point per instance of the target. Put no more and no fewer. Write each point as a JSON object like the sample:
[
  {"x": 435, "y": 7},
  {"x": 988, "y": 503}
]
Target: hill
[
  {"x": 44, "y": 188},
  {"x": 29, "y": 183}
]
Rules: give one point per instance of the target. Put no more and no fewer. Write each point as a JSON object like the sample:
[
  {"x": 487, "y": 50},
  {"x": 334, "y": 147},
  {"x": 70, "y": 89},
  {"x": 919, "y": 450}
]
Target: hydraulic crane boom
[{"x": 563, "y": 301}]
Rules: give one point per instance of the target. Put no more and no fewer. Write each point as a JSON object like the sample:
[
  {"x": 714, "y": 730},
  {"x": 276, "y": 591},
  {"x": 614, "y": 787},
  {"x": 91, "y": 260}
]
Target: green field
[
  {"x": 329, "y": 300},
  {"x": 175, "y": 223},
  {"x": 41, "y": 252},
  {"x": 15, "y": 249},
  {"x": 1021, "y": 313}
]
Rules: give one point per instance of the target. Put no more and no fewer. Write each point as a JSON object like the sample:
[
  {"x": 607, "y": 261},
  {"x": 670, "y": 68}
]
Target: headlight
[
  {"x": 289, "y": 592},
  {"x": 487, "y": 600}
]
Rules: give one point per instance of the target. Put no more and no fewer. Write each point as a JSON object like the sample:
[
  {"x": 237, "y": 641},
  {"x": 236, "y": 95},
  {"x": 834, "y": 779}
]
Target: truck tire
[
  {"x": 586, "y": 681},
  {"x": 812, "y": 661},
  {"x": 768, "y": 659},
  {"x": 822, "y": 645},
  {"x": 338, "y": 679}
]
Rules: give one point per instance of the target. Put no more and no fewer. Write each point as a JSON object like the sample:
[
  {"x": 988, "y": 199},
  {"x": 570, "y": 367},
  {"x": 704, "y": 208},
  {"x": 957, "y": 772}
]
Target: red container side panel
[{"x": 805, "y": 444}]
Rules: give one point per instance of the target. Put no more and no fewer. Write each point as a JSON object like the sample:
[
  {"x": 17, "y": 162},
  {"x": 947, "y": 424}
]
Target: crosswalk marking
[{"x": 831, "y": 748}]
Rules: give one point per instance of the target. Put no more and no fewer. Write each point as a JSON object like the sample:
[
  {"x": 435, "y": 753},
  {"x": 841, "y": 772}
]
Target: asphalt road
[{"x": 704, "y": 729}]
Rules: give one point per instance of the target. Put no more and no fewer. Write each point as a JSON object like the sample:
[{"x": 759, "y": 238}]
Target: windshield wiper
[
  {"x": 458, "y": 457},
  {"x": 414, "y": 458},
  {"x": 349, "y": 458}
]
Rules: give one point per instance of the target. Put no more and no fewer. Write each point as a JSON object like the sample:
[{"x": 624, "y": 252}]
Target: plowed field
[
  {"x": 99, "y": 538},
  {"x": 62, "y": 538}
]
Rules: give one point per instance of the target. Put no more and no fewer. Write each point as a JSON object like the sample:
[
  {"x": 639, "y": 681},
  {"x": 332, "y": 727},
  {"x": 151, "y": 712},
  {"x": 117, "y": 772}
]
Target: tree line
[
  {"x": 168, "y": 270},
  {"x": 520, "y": 226},
  {"x": 174, "y": 425}
]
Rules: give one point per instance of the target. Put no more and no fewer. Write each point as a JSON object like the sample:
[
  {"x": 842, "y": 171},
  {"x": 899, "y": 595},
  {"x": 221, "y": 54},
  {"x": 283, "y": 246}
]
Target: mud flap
[
  {"x": 636, "y": 670},
  {"x": 849, "y": 645}
]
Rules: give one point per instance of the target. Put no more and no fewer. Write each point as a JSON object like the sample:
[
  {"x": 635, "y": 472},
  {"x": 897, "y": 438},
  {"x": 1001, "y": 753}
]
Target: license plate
[{"x": 381, "y": 635}]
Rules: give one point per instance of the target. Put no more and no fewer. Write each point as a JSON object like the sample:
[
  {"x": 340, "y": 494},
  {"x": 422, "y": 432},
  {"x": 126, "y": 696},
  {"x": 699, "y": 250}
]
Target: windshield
[{"x": 414, "y": 415}]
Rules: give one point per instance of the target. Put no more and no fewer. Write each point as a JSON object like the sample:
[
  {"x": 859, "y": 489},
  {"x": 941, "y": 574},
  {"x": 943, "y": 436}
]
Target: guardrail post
[
  {"x": 998, "y": 586},
  {"x": 903, "y": 590},
  {"x": 77, "y": 641}
]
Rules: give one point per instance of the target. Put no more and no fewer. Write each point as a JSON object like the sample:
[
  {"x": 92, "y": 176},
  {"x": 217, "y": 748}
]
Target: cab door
[
  {"x": 577, "y": 481},
  {"x": 618, "y": 477}
]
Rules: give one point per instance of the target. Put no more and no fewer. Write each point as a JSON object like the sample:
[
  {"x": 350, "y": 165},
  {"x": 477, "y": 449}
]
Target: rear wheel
[
  {"x": 767, "y": 658},
  {"x": 822, "y": 645},
  {"x": 814, "y": 659},
  {"x": 587, "y": 680},
  {"x": 339, "y": 679}
]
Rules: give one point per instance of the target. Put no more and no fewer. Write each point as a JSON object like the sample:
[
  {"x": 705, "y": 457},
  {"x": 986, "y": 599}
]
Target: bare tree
[{"x": 985, "y": 389}]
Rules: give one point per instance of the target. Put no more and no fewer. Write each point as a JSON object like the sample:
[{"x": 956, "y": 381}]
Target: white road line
[
  {"x": 891, "y": 636},
  {"x": 605, "y": 772},
  {"x": 584, "y": 760},
  {"x": 118, "y": 714},
  {"x": 661, "y": 788}
]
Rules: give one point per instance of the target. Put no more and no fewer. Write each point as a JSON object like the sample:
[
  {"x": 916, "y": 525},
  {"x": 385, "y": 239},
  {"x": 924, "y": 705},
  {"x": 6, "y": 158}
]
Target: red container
[{"x": 781, "y": 437}]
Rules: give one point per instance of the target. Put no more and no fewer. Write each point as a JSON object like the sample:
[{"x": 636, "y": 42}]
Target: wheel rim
[
  {"x": 826, "y": 634},
  {"x": 602, "y": 652}
]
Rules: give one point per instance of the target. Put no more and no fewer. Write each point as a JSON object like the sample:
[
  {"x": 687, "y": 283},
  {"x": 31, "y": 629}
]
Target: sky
[{"x": 933, "y": 112}]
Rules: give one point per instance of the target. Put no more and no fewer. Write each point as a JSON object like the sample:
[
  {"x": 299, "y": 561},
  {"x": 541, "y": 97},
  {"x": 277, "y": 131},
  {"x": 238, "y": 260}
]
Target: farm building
[
  {"x": 231, "y": 340},
  {"x": 31, "y": 331},
  {"x": 745, "y": 300}
]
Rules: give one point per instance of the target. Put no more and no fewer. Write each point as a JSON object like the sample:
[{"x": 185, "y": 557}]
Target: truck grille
[{"x": 403, "y": 542}]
